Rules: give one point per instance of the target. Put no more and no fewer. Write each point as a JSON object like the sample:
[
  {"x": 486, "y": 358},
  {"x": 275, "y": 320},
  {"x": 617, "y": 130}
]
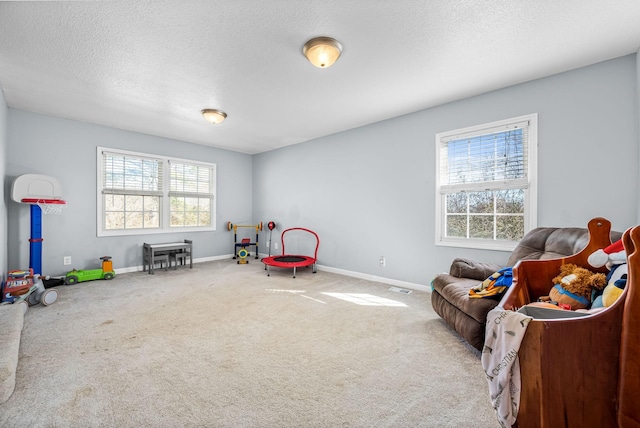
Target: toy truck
[{"x": 106, "y": 272}]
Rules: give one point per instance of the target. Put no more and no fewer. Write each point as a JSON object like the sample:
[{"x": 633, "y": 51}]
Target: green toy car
[{"x": 106, "y": 272}]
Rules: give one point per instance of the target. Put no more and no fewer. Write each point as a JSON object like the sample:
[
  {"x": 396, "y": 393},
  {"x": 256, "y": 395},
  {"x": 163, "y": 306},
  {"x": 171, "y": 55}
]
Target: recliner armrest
[{"x": 466, "y": 268}]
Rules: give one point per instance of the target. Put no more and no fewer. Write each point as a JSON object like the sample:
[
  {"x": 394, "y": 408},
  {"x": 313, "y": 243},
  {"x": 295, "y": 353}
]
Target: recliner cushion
[
  {"x": 466, "y": 268},
  {"x": 456, "y": 292}
]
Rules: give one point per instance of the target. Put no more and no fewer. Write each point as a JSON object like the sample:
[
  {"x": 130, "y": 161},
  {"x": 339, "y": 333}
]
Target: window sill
[
  {"x": 107, "y": 233},
  {"x": 478, "y": 244}
]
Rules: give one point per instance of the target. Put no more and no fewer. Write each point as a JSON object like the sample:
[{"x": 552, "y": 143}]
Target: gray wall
[
  {"x": 369, "y": 192},
  {"x": 3, "y": 205},
  {"x": 66, "y": 150}
]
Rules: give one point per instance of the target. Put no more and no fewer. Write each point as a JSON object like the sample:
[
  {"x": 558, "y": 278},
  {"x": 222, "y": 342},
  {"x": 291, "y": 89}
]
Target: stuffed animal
[
  {"x": 615, "y": 258},
  {"x": 617, "y": 280},
  {"x": 614, "y": 254},
  {"x": 575, "y": 286}
]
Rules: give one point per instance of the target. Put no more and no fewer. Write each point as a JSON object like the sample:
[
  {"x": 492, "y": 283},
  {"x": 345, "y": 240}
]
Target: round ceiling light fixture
[
  {"x": 322, "y": 51},
  {"x": 214, "y": 116}
]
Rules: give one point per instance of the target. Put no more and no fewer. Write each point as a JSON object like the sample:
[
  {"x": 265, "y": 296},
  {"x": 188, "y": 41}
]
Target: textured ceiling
[{"x": 151, "y": 66}]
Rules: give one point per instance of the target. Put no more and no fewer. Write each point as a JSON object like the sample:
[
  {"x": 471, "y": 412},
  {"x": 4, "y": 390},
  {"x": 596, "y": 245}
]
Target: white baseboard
[
  {"x": 359, "y": 275},
  {"x": 198, "y": 260},
  {"x": 375, "y": 278}
]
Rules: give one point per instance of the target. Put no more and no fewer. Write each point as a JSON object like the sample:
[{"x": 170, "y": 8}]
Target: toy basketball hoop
[
  {"x": 48, "y": 206},
  {"x": 44, "y": 195}
]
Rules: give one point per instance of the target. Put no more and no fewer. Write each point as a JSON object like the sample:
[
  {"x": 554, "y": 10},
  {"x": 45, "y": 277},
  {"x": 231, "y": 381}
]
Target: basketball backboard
[{"x": 35, "y": 186}]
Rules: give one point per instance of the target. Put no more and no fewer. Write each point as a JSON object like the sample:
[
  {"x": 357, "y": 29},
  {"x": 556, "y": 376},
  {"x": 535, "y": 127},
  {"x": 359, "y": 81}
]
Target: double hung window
[{"x": 486, "y": 184}]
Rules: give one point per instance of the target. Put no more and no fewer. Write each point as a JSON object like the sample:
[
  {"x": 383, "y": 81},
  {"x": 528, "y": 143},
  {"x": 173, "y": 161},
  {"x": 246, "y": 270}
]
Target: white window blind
[
  {"x": 496, "y": 156},
  {"x": 190, "y": 180},
  {"x": 131, "y": 175}
]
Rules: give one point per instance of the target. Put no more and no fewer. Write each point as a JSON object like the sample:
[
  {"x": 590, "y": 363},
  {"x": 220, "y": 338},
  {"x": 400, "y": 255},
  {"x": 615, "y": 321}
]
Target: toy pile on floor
[{"x": 26, "y": 288}]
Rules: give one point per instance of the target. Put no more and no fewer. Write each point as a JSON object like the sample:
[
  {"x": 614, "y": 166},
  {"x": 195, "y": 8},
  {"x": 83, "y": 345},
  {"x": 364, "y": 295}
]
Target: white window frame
[
  {"x": 166, "y": 192},
  {"x": 530, "y": 186}
]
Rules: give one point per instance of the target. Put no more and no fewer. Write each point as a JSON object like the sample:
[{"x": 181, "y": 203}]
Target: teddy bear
[
  {"x": 615, "y": 258},
  {"x": 575, "y": 285}
]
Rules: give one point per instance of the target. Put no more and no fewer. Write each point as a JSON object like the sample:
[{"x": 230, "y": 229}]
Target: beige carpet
[{"x": 223, "y": 345}]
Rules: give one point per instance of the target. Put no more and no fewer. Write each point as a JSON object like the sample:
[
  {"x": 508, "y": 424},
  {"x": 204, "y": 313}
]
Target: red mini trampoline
[{"x": 293, "y": 260}]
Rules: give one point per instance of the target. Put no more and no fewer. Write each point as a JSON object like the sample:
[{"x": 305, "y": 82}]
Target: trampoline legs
[
  {"x": 267, "y": 267},
  {"x": 294, "y": 271}
]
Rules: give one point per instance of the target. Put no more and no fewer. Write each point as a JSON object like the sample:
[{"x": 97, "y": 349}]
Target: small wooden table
[{"x": 151, "y": 250}]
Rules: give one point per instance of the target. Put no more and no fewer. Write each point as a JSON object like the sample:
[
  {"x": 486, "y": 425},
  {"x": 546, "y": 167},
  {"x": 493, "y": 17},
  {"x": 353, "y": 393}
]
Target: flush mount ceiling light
[
  {"x": 322, "y": 51},
  {"x": 214, "y": 116}
]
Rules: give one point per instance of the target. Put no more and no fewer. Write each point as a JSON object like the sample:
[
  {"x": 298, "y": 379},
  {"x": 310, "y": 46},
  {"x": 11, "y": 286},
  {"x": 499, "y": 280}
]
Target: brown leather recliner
[{"x": 450, "y": 292}]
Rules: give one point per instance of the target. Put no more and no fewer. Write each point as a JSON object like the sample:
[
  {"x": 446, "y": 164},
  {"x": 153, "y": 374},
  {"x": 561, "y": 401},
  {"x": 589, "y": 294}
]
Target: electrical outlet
[
  {"x": 383, "y": 262},
  {"x": 275, "y": 245},
  {"x": 67, "y": 260}
]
